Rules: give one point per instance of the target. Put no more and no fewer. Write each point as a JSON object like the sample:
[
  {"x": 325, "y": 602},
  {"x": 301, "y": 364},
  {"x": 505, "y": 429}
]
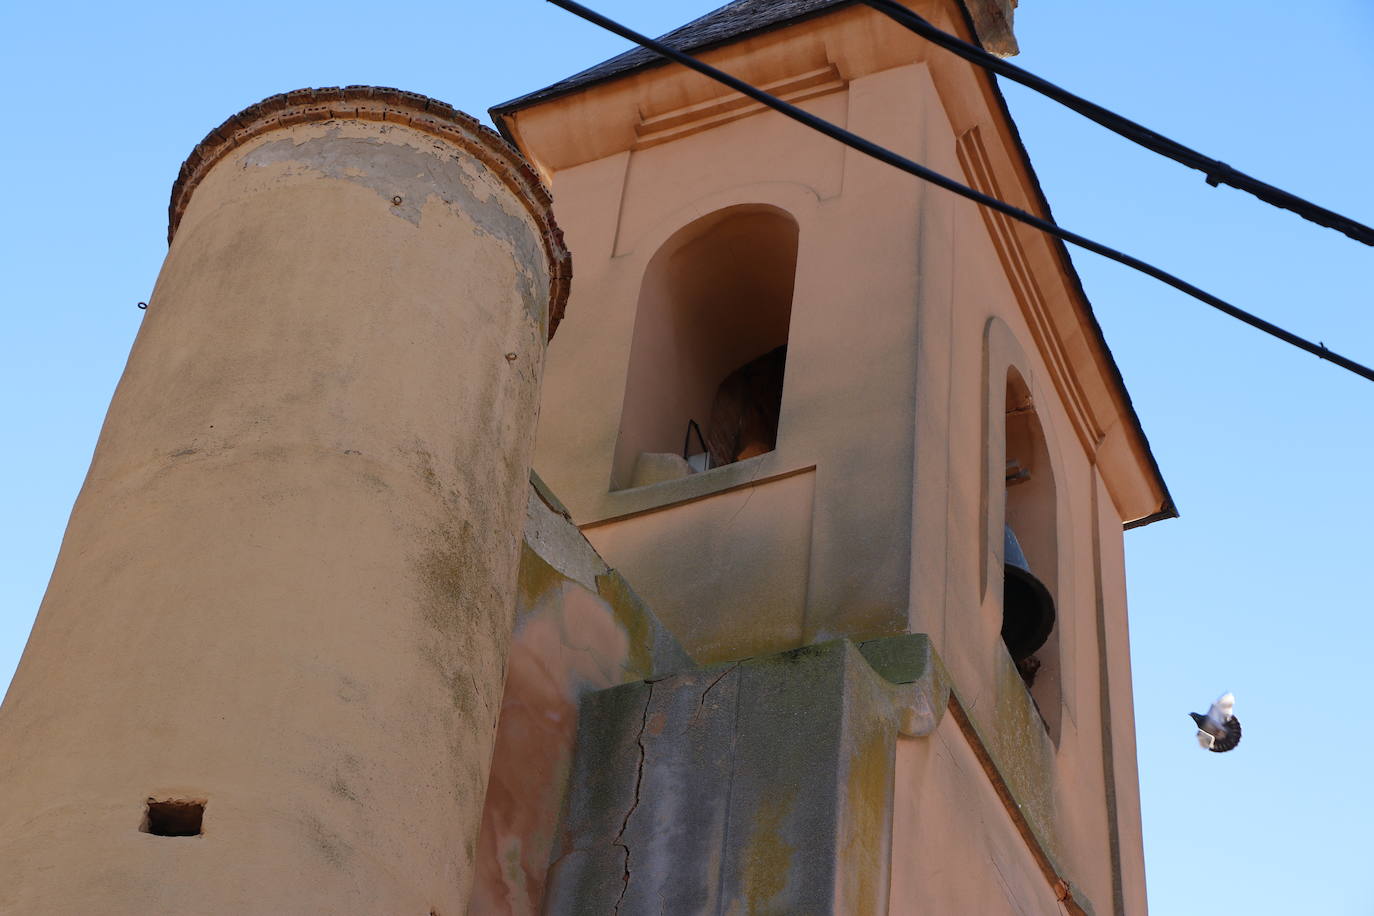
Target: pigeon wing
[
  {"x": 1205, "y": 740},
  {"x": 1221, "y": 710},
  {"x": 1228, "y": 739}
]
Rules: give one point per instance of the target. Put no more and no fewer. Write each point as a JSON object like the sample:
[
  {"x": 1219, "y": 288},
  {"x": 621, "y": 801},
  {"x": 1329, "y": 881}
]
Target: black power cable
[
  {"x": 1216, "y": 172},
  {"x": 883, "y": 154}
]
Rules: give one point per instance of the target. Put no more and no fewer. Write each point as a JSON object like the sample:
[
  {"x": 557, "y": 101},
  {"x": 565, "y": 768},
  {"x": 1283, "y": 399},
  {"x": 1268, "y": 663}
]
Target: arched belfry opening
[
  {"x": 704, "y": 386},
  {"x": 1030, "y": 618}
]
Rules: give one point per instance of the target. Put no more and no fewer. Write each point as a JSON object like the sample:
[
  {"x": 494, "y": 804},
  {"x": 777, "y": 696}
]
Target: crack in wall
[
  {"x": 639, "y": 784},
  {"x": 701, "y": 704},
  {"x": 725, "y": 840}
]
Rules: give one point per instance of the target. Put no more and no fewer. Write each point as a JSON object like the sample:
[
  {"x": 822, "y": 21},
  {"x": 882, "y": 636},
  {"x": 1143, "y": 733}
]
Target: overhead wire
[
  {"x": 882, "y": 154},
  {"x": 1217, "y": 172}
]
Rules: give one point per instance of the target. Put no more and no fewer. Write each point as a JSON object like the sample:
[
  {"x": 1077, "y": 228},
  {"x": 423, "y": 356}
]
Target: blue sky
[{"x": 1259, "y": 588}]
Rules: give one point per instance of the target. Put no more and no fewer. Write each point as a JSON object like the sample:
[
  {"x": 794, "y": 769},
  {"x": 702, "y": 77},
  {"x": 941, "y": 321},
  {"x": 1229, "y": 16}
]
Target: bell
[{"x": 1027, "y": 606}]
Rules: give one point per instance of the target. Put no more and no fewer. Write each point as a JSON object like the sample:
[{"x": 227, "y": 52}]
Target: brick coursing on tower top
[{"x": 379, "y": 103}]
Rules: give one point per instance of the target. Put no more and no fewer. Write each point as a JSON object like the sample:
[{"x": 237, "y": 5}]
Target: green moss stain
[
  {"x": 331, "y": 847},
  {"x": 634, "y": 618},
  {"x": 768, "y": 858},
  {"x": 867, "y": 800},
  {"x": 797, "y": 656},
  {"x": 513, "y": 869},
  {"x": 447, "y": 580},
  {"x": 423, "y": 464},
  {"x": 459, "y": 606},
  {"x": 341, "y": 789},
  {"x": 537, "y": 579},
  {"x": 1014, "y": 735},
  {"x": 901, "y": 659}
]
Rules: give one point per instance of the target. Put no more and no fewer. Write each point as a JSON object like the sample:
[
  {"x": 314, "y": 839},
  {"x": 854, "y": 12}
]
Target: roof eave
[
  {"x": 572, "y": 85},
  {"x": 1167, "y": 508},
  {"x": 501, "y": 114}
]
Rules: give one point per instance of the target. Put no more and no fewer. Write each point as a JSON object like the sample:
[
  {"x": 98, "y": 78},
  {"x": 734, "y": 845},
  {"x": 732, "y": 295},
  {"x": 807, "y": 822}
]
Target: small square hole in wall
[{"x": 173, "y": 817}]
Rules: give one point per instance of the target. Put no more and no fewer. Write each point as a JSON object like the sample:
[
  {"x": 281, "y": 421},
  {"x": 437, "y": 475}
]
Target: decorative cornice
[
  {"x": 377, "y": 103},
  {"x": 680, "y": 122},
  {"x": 1035, "y": 308},
  {"x": 989, "y": 20}
]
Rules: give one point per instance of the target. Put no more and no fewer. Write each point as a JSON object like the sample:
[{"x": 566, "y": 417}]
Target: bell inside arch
[{"x": 1027, "y": 606}]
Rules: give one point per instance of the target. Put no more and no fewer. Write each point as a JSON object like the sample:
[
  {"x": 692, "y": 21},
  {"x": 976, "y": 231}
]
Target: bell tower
[
  {"x": 816, "y": 603},
  {"x": 822, "y": 414}
]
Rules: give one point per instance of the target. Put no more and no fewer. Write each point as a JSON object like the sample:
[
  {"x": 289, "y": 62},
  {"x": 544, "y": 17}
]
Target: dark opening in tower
[
  {"x": 705, "y": 379},
  {"x": 1030, "y": 626}
]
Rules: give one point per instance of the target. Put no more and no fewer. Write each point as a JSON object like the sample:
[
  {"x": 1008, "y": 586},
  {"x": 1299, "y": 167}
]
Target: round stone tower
[{"x": 267, "y": 671}]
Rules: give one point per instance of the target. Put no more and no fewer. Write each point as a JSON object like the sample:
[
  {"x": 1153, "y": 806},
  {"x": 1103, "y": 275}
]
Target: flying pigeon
[{"x": 1219, "y": 730}]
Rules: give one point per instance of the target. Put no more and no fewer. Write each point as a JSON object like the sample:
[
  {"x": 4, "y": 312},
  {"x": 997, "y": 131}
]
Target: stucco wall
[
  {"x": 910, "y": 308},
  {"x": 287, "y": 587},
  {"x": 954, "y": 848},
  {"x": 579, "y": 628}
]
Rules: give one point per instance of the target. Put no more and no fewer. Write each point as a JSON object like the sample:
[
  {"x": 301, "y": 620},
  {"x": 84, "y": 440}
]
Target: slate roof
[{"x": 731, "y": 22}]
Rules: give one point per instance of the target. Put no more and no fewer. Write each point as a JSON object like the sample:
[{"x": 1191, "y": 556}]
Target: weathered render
[
  {"x": 318, "y": 641},
  {"x": 288, "y": 586},
  {"x": 579, "y": 629},
  {"x": 944, "y": 378}
]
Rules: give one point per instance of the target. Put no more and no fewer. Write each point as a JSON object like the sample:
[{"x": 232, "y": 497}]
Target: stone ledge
[
  {"x": 1008, "y": 760},
  {"x": 766, "y": 782}
]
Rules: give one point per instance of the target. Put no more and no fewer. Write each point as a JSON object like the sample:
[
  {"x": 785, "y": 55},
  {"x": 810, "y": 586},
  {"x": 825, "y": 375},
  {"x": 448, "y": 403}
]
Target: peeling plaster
[{"x": 400, "y": 172}]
